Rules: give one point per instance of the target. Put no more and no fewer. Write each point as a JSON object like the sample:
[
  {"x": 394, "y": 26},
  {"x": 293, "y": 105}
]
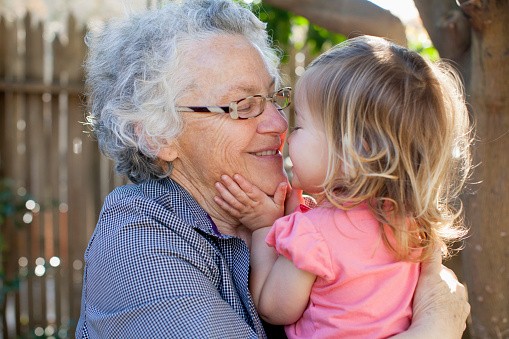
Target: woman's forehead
[
  {"x": 249, "y": 88},
  {"x": 231, "y": 68},
  {"x": 233, "y": 88}
]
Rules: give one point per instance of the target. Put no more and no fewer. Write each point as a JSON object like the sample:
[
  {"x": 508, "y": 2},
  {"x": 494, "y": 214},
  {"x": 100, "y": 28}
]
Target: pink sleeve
[{"x": 295, "y": 237}]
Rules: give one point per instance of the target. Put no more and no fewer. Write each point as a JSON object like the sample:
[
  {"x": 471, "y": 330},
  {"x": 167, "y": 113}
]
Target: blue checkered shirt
[{"x": 157, "y": 267}]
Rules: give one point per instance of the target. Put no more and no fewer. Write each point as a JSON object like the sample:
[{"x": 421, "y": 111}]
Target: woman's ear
[{"x": 169, "y": 152}]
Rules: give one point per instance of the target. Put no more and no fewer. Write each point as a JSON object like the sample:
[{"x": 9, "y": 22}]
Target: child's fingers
[
  {"x": 251, "y": 191},
  {"x": 280, "y": 195},
  {"x": 248, "y": 188},
  {"x": 228, "y": 197},
  {"x": 225, "y": 206},
  {"x": 235, "y": 190}
]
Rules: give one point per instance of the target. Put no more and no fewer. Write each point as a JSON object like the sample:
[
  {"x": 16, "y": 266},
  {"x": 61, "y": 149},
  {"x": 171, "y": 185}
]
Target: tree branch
[
  {"x": 348, "y": 17},
  {"x": 449, "y": 31},
  {"x": 447, "y": 26},
  {"x": 473, "y": 10}
]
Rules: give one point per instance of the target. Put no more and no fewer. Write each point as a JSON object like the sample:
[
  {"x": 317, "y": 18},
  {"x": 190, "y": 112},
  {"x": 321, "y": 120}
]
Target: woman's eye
[{"x": 246, "y": 107}]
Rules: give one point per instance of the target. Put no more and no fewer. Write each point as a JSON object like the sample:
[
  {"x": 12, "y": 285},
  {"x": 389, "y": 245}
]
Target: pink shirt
[{"x": 360, "y": 291}]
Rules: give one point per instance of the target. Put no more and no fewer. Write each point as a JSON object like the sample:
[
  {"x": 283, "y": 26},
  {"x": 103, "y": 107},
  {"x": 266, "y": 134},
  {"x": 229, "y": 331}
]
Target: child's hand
[{"x": 248, "y": 203}]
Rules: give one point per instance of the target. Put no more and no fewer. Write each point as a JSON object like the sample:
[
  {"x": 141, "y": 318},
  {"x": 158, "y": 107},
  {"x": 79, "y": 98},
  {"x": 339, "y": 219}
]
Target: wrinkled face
[
  {"x": 308, "y": 148},
  {"x": 213, "y": 144}
]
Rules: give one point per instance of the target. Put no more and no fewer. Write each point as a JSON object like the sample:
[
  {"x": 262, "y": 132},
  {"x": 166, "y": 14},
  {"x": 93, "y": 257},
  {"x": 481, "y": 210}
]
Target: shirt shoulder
[{"x": 139, "y": 221}]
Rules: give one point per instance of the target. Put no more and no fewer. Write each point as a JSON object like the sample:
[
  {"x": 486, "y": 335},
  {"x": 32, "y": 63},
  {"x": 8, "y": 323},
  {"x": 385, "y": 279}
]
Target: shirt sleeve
[
  {"x": 145, "y": 280},
  {"x": 296, "y": 237}
]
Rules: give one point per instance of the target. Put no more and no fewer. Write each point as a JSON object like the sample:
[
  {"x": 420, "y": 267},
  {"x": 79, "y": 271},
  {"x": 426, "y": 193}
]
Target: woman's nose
[{"x": 273, "y": 120}]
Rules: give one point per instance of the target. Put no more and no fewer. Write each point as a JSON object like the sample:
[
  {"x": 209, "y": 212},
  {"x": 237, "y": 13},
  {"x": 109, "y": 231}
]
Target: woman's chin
[{"x": 269, "y": 184}]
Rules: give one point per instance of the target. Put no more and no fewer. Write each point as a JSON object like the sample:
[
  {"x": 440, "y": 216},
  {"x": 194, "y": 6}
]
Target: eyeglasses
[{"x": 246, "y": 108}]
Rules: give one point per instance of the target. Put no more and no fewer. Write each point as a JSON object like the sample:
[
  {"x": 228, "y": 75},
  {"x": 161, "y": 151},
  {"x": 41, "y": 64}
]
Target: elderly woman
[{"x": 178, "y": 97}]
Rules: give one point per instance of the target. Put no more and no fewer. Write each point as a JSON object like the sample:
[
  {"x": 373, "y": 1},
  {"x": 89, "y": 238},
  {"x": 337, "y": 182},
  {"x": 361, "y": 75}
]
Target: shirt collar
[{"x": 186, "y": 207}]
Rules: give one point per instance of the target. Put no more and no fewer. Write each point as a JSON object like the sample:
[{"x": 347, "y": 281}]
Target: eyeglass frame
[{"x": 231, "y": 109}]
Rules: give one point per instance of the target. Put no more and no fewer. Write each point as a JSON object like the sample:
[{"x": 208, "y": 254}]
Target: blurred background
[{"x": 53, "y": 179}]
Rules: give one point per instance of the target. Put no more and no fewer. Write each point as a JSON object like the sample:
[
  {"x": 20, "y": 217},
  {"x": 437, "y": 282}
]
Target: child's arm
[
  {"x": 248, "y": 203},
  {"x": 280, "y": 290}
]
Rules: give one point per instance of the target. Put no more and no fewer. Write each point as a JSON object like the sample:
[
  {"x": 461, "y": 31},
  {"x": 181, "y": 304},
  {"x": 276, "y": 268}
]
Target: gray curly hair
[{"x": 134, "y": 76}]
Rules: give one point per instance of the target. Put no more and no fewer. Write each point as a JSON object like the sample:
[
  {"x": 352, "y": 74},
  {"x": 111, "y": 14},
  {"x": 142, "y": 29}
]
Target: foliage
[
  {"x": 279, "y": 22},
  {"x": 12, "y": 206},
  {"x": 284, "y": 28},
  {"x": 424, "y": 49},
  {"x": 320, "y": 39}
]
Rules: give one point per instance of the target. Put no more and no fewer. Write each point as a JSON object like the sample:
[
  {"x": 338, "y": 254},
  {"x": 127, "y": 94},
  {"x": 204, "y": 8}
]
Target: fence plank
[
  {"x": 81, "y": 193},
  {"x": 67, "y": 69},
  {"x": 3, "y": 40},
  {"x": 60, "y": 108},
  {"x": 37, "y": 183},
  {"x": 51, "y": 115},
  {"x": 15, "y": 150},
  {"x": 3, "y": 231}
]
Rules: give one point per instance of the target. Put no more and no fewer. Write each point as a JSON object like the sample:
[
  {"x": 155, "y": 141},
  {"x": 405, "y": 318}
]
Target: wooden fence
[{"x": 46, "y": 153}]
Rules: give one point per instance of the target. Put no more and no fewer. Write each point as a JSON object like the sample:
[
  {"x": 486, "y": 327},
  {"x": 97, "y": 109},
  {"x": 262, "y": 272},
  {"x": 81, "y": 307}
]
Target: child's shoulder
[
  {"x": 357, "y": 218},
  {"x": 327, "y": 208}
]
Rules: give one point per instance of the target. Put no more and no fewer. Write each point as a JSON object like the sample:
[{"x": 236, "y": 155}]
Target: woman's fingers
[{"x": 457, "y": 288}]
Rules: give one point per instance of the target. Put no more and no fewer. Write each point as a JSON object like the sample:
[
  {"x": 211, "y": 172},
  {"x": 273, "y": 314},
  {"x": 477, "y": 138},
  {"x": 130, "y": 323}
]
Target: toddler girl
[{"x": 382, "y": 139}]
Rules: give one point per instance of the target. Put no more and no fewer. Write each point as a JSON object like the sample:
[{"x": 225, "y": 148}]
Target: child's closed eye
[{"x": 294, "y": 129}]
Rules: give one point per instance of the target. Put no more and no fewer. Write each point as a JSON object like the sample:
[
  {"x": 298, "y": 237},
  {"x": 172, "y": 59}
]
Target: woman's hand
[{"x": 440, "y": 306}]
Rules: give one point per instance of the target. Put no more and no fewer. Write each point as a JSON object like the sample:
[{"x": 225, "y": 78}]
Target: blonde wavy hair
[{"x": 399, "y": 137}]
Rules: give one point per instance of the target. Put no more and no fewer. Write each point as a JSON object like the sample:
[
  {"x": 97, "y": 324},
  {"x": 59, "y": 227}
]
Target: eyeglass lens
[
  {"x": 282, "y": 98},
  {"x": 253, "y": 106}
]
